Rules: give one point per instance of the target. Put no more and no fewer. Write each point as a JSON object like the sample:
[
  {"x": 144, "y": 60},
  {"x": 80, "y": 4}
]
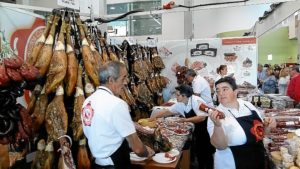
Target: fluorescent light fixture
[{"x": 270, "y": 57}]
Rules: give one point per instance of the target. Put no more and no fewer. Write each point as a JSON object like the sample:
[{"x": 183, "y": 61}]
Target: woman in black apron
[{"x": 250, "y": 155}]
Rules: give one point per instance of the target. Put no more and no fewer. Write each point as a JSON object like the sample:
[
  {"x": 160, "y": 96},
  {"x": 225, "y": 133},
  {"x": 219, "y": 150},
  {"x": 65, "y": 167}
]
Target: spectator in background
[
  {"x": 261, "y": 75},
  {"x": 269, "y": 84},
  {"x": 276, "y": 74},
  {"x": 221, "y": 72},
  {"x": 200, "y": 85},
  {"x": 293, "y": 90},
  {"x": 284, "y": 78}
]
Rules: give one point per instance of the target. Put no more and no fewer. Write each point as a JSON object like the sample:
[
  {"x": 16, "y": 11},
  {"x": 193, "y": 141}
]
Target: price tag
[{"x": 74, "y": 4}]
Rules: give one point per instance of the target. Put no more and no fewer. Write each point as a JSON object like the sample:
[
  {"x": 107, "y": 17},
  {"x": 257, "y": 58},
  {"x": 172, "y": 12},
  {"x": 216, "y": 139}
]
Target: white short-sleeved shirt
[
  {"x": 201, "y": 86},
  {"x": 193, "y": 103},
  {"x": 234, "y": 132},
  {"x": 106, "y": 122}
]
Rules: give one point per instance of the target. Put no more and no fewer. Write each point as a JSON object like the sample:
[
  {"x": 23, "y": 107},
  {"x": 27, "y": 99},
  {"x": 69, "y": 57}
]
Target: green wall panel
[{"x": 279, "y": 45}]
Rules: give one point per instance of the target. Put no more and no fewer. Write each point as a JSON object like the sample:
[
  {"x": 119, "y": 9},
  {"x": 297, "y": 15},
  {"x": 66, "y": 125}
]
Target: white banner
[{"x": 239, "y": 54}]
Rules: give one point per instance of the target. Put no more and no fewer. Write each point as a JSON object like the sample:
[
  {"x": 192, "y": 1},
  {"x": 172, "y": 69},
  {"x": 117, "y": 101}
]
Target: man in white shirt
[
  {"x": 200, "y": 86},
  {"x": 107, "y": 123}
]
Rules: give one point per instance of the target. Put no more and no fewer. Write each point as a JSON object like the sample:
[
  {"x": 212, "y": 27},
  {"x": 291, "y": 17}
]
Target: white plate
[
  {"x": 173, "y": 152},
  {"x": 297, "y": 132},
  {"x": 134, "y": 157},
  {"x": 160, "y": 158}
]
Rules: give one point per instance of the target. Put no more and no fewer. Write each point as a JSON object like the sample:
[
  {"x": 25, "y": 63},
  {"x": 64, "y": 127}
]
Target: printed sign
[{"x": 74, "y": 4}]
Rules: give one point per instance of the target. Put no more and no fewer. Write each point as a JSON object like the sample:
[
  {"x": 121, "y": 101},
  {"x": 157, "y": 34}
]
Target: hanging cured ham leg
[
  {"x": 79, "y": 99},
  {"x": 87, "y": 56},
  {"x": 38, "y": 115},
  {"x": 58, "y": 66},
  {"x": 49, "y": 162},
  {"x": 71, "y": 76},
  {"x": 56, "y": 116},
  {"x": 82, "y": 156},
  {"x": 41, "y": 155},
  {"x": 39, "y": 43},
  {"x": 88, "y": 86},
  {"x": 34, "y": 95},
  {"x": 45, "y": 54}
]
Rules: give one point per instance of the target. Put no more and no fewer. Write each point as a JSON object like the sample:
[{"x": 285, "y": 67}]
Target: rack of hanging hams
[
  {"x": 283, "y": 141},
  {"x": 61, "y": 70}
]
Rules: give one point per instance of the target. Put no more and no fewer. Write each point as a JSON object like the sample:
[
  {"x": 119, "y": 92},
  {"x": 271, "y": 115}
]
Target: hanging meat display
[
  {"x": 50, "y": 155},
  {"x": 38, "y": 115},
  {"x": 97, "y": 56},
  {"x": 102, "y": 40},
  {"x": 58, "y": 65},
  {"x": 43, "y": 61},
  {"x": 82, "y": 156},
  {"x": 88, "y": 86},
  {"x": 87, "y": 56},
  {"x": 40, "y": 43},
  {"x": 63, "y": 65},
  {"x": 41, "y": 155},
  {"x": 157, "y": 62},
  {"x": 72, "y": 64},
  {"x": 56, "y": 119},
  {"x": 78, "y": 102}
]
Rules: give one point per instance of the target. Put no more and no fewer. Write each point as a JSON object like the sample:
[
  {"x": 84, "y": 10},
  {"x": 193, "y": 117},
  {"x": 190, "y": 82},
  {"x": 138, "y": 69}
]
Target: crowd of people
[{"x": 279, "y": 80}]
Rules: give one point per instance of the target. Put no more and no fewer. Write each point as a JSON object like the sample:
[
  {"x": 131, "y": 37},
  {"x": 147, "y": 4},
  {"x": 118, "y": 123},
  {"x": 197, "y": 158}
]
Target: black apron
[
  {"x": 250, "y": 155},
  {"x": 201, "y": 142},
  {"x": 120, "y": 157}
]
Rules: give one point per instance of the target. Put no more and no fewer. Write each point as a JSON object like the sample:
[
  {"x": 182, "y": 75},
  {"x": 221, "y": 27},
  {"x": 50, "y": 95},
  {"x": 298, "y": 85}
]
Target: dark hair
[
  {"x": 110, "y": 69},
  {"x": 228, "y": 80},
  {"x": 190, "y": 72},
  {"x": 185, "y": 90},
  {"x": 221, "y": 67},
  {"x": 295, "y": 68}
]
